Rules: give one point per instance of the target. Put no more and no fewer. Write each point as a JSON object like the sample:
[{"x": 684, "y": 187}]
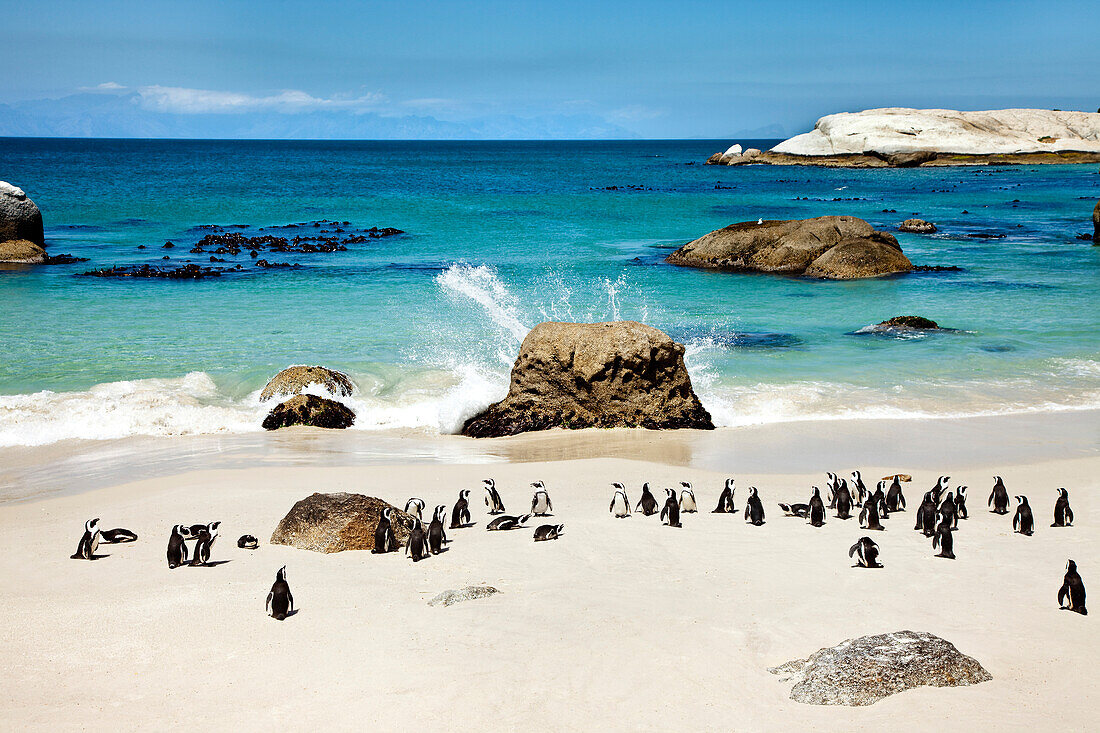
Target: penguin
[
  {"x": 540, "y": 502},
  {"x": 195, "y": 530},
  {"x": 960, "y": 504},
  {"x": 942, "y": 538},
  {"x": 417, "y": 545},
  {"x": 671, "y": 510},
  {"x": 868, "y": 517},
  {"x": 507, "y": 522},
  {"x": 998, "y": 498},
  {"x": 248, "y": 542},
  {"x": 939, "y": 488},
  {"x": 492, "y": 497},
  {"x": 867, "y": 549},
  {"x": 177, "y": 548},
  {"x": 754, "y": 508},
  {"x": 833, "y": 486},
  {"x": 843, "y": 501},
  {"x": 205, "y": 543},
  {"x": 947, "y": 507},
  {"x": 436, "y": 535},
  {"x": 860, "y": 488},
  {"x": 817, "y": 509},
  {"x": 89, "y": 541},
  {"x": 1023, "y": 522},
  {"x": 385, "y": 540},
  {"x": 795, "y": 510},
  {"x": 620, "y": 504},
  {"x": 725, "y": 500},
  {"x": 687, "y": 499},
  {"x": 926, "y": 515},
  {"x": 879, "y": 498},
  {"x": 647, "y": 504},
  {"x": 415, "y": 507},
  {"x": 460, "y": 514},
  {"x": 895, "y": 500},
  {"x": 114, "y": 536},
  {"x": 1072, "y": 590},
  {"x": 1063, "y": 515},
  {"x": 548, "y": 532},
  {"x": 280, "y": 601}
]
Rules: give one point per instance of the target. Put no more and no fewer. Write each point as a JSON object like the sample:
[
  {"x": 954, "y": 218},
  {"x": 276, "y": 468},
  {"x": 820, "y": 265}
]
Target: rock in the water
[
  {"x": 21, "y": 251},
  {"x": 863, "y": 671},
  {"x": 595, "y": 375},
  {"x": 293, "y": 380},
  {"x": 20, "y": 218},
  {"x": 917, "y": 226},
  {"x": 915, "y": 322},
  {"x": 469, "y": 593},
  {"x": 733, "y": 150},
  {"x": 310, "y": 410},
  {"x": 337, "y": 522},
  {"x": 1096, "y": 223},
  {"x": 830, "y": 247}
]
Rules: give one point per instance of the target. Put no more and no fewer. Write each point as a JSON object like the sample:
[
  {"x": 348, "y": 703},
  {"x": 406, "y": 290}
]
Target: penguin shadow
[
  {"x": 209, "y": 564},
  {"x": 871, "y": 567},
  {"x": 93, "y": 557},
  {"x": 464, "y": 526}
]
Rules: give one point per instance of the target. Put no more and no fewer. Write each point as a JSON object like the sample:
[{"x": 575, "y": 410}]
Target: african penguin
[
  {"x": 415, "y": 507},
  {"x": 947, "y": 507},
  {"x": 843, "y": 501},
  {"x": 867, "y": 549},
  {"x": 206, "y": 539},
  {"x": 1072, "y": 590},
  {"x": 540, "y": 501},
  {"x": 671, "y": 510},
  {"x": 385, "y": 539},
  {"x": 248, "y": 542},
  {"x": 879, "y": 498},
  {"x": 89, "y": 541},
  {"x": 832, "y": 487},
  {"x": 895, "y": 500},
  {"x": 795, "y": 510},
  {"x": 113, "y": 536},
  {"x": 507, "y": 522},
  {"x": 620, "y": 504},
  {"x": 417, "y": 545},
  {"x": 177, "y": 548},
  {"x": 280, "y": 601},
  {"x": 926, "y": 515},
  {"x": 687, "y": 499},
  {"x": 1023, "y": 521},
  {"x": 1063, "y": 515},
  {"x": 998, "y": 498},
  {"x": 817, "y": 509},
  {"x": 868, "y": 516},
  {"x": 754, "y": 508},
  {"x": 725, "y": 500},
  {"x": 492, "y": 497},
  {"x": 548, "y": 532},
  {"x": 939, "y": 488},
  {"x": 436, "y": 535},
  {"x": 942, "y": 538},
  {"x": 460, "y": 514},
  {"x": 860, "y": 487},
  {"x": 960, "y": 503},
  {"x": 647, "y": 504}
]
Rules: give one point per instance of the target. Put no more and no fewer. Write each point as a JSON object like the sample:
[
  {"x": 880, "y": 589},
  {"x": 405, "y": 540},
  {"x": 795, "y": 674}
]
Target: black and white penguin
[
  {"x": 385, "y": 539},
  {"x": 417, "y": 545},
  {"x": 687, "y": 499},
  {"x": 947, "y": 507},
  {"x": 415, "y": 507},
  {"x": 860, "y": 488},
  {"x": 280, "y": 601},
  {"x": 540, "y": 501},
  {"x": 831, "y": 487},
  {"x": 89, "y": 541},
  {"x": 867, "y": 551},
  {"x": 817, "y": 509},
  {"x": 1063, "y": 515},
  {"x": 842, "y": 501},
  {"x": 1023, "y": 522},
  {"x": 868, "y": 515},
  {"x": 754, "y": 508},
  {"x": 247, "y": 542},
  {"x": 116, "y": 535},
  {"x": 492, "y": 497},
  {"x": 548, "y": 532},
  {"x": 620, "y": 504},
  {"x": 507, "y": 522},
  {"x": 647, "y": 504},
  {"x": 460, "y": 513},
  {"x": 879, "y": 497},
  {"x": 895, "y": 500},
  {"x": 436, "y": 535},
  {"x": 939, "y": 488},
  {"x": 670, "y": 513},
  {"x": 177, "y": 547},
  {"x": 998, "y": 498},
  {"x": 195, "y": 530},
  {"x": 795, "y": 510},
  {"x": 942, "y": 538},
  {"x": 1072, "y": 590},
  {"x": 205, "y": 544},
  {"x": 960, "y": 503},
  {"x": 725, "y": 500}
]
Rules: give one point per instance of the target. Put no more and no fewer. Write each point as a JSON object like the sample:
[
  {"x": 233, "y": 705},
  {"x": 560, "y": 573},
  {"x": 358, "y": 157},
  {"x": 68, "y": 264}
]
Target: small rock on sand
[{"x": 469, "y": 593}]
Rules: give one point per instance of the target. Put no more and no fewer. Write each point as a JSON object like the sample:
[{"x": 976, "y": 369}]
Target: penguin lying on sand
[{"x": 548, "y": 532}]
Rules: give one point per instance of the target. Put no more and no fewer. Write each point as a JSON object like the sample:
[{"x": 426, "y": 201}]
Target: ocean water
[{"x": 500, "y": 236}]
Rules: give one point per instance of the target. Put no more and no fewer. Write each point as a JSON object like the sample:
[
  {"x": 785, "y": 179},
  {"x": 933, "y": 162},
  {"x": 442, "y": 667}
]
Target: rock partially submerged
[
  {"x": 20, "y": 218},
  {"x": 337, "y": 522},
  {"x": 903, "y": 327},
  {"x": 912, "y": 322},
  {"x": 917, "y": 226},
  {"x": 603, "y": 375},
  {"x": 469, "y": 593},
  {"x": 865, "y": 670},
  {"x": 828, "y": 247},
  {"x": 311, "y": 411},
  {"x": 22, "y": 251},
  {"x": 294, "y": 379}
]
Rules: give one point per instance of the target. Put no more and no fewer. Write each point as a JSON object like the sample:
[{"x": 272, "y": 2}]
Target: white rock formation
[
  {"x": 733, "y": 150},
  {"x": 894, "y": 130}
]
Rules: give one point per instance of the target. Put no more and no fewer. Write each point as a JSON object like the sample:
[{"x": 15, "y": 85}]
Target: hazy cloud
[{"x": 182, "y": 100}]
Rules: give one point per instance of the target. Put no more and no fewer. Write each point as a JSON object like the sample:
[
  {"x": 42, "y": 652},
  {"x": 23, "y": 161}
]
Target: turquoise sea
[{"x": 502, "y": 235}]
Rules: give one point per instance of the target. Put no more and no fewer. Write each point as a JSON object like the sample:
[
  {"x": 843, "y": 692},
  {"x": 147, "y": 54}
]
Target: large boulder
[
  {"x": 21, "y": 238},
  {"x": 595, "y": 375},
  {"x": 863, "y": 671},
  {"x": 293, "y": 380},
  {"x": 309, "y": 410},
  {"x": 798, "y": 247},
  {"x": 337, "y": 522}
]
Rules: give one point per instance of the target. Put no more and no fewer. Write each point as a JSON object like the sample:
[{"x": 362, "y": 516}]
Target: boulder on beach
[
  {"x": 337, "y": 522},
  {"x": 917, "y": 226},
  {"x": 798, "y": 247},
  {"x": 865, "y": 670},
  {"x": 293, "y": 380},
  {"x": 309, "y": 410},
  {"x": 21, "y": 238},
  {"x": 469, "y": 593},
  {"x": 595, "y": 375}
]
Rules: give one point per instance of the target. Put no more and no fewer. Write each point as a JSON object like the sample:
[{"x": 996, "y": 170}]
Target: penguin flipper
[
  {"x": 1069, "y": 516},
  {"x": 1062, "y": 593},
  {"x": 990, "y": 502},
  {"x": 290, "y": 597},
  {"x": 852, "y": 550},
  {"x": 270, "y": 595}
]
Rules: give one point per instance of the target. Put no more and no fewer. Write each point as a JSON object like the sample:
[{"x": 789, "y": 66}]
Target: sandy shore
[{"x": 619, "y": 625}]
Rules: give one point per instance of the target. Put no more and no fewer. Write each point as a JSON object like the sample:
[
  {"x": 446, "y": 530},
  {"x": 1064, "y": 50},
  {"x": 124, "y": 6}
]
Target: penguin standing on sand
[
  {"x": 833, "y": 485},
  {"x": 671, "y": 510},
  {"x": 942, "y": 538},
  {"x": 998, "y": 498},
  {"x": 620, "y": 504},
  {"x": 460, "y": 514},
  {"x": 868, "y": 517},
  {"x": 89, "y": 541},
  {"x": 843, "y": 501},
  {"x": 860, "y": 487},
  {"x": 947, "y": 508},
  {"x": 280, "y": 601},
  {"x": 492, "y": 497},
  {"x": 960, "y": 504},
  {"x": 436, "y": 535},
  {"x": 1072, "y": 590},
  {"x": 817, "y": 509},
  {"x": 177, "y": 548},
  {"x": 384, "y": 538},
  {"x": 895, "y": 500},
  {"x": 415, "y": 507},
  {"x": 867, "y": 549},
  {"x": 754, "y": 508},
  {"x": 647, "y": 504},
  {"x": 879, "y": 497},
  {"x": 1063, "y": 515},
  {"x": 540, "y": 502},
  {"x": 926, "y": 515},
  {"x": 114, "y": 536},
  {"x": 1023, "y": 522},
  {"x": 417, "y": 546},
  {"x": 725, "y": 500},
  {"x": 939, "y": 488},
  {"x": 205, "y": 544},
  {"x": 687, "y": 499},
  {"x": 549, "y": 532}
]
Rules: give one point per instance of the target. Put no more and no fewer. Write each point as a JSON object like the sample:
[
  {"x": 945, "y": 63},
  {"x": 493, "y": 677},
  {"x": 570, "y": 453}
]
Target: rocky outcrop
[
  {"x": 21, "y": 238},
  {"x": 22, "y": 251},
  {"x": 913, "y": 322},
  {"x": 865, "y": 670},
  {"x": 595, "y": 375},
  {"x": 469, "y": 593},
  {"x": 293, "y": 380},
  {"x": 309, "y": 410},
  {"x": 917, "y": 226},
  {"x": 829, "y": 247},
  {"x": 337, "y": 522}
]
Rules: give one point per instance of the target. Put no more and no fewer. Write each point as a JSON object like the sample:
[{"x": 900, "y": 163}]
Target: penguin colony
[{"x": 937, "y": 518}]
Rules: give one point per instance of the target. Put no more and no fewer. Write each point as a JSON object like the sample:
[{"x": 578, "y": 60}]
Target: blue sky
[{"x": 653, "y": 69}]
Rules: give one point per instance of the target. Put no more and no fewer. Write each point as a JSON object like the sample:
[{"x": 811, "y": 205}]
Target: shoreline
[{"x": 936, "y": 159}]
